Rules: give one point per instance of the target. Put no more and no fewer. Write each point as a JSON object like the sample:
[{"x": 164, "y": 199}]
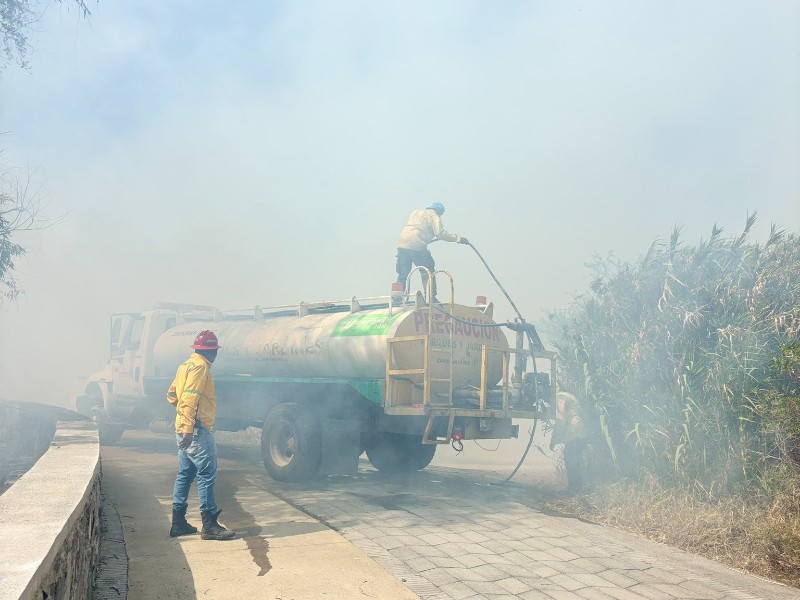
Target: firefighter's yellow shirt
[
  {"x": 423, "y": 227},
  {"x": 192, "y": 394}
]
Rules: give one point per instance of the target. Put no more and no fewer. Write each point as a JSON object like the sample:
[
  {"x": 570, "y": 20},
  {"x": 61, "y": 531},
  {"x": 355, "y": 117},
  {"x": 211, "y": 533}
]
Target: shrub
[{"x": 687, "y": 360}]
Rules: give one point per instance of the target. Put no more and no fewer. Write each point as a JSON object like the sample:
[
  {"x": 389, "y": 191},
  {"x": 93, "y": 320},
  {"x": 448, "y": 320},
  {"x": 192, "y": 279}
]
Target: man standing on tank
[
  {"x": 422, "y": 228},
  {"x": 192, "y": 394}
]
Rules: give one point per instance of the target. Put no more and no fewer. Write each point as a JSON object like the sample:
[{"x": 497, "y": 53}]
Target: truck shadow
[
  {"x": 257, "y": 517},
  {"x": 415, "y": 493}
]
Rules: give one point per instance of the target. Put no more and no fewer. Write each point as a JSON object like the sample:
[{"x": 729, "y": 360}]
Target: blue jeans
[
  {"x": 198, "y": 460},
  {"x": 422, "y": 258}
]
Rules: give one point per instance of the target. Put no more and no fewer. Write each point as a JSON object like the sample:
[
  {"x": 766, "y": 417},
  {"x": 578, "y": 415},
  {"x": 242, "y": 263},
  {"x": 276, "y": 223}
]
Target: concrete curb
[{"x": 50, "y": 520}]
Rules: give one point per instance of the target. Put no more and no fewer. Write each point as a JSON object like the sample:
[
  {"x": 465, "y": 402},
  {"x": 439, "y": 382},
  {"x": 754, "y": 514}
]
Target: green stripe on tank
[
  {"x": 360, "y": 325},
  {"x": 371, "y": 389}
]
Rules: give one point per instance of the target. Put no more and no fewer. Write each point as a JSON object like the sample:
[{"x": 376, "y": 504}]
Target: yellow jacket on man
[
  {"x": 192, "y": 394},
  {"x": 423, "y": 227}
]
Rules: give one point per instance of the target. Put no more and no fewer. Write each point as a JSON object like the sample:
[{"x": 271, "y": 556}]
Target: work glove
[
  {"x": 186, "y": 441},
  {"x": 463, "y": 240}
]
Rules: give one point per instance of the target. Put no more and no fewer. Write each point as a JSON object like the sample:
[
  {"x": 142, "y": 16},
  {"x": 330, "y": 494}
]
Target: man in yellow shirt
[
  {"x": 422, "y": 228},
  {"x": 192, "y": 394}
]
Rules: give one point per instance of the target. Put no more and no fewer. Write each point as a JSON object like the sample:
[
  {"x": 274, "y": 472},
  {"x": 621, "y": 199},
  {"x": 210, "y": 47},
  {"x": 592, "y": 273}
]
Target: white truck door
[
  {"x": 126, "y": 350},
  {"x": 120, "y": 324}
]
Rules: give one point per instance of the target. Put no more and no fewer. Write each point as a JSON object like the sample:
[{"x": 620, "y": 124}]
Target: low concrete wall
[
  {"x": 50, "y": 520},
  {"x": 25, "y": 434}
]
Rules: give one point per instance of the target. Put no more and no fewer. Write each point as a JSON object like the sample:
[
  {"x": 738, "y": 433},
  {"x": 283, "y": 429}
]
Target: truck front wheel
[
  {"x": 399, "y": 453},
  {"x": 108, "y": 433},
  {"x": 290, "y": 443}
]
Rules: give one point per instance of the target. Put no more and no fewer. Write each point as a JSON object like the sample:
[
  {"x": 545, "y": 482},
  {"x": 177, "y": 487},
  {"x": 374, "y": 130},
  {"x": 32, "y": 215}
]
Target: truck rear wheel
[
  {"x": 291, "y": 443},
  {"x": 399, "y": 453},
  {"x": 419, "y": 455}
]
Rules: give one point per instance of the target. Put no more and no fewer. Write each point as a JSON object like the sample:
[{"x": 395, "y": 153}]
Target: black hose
[
  {"x": 524, "y": 454},
  {"x": 497, "y": 281},
  {"x": 530, "y": 345}
]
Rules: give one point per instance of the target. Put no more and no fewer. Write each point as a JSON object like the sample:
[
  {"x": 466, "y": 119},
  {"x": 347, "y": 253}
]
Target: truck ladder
[{"x": 433, "y": 410}]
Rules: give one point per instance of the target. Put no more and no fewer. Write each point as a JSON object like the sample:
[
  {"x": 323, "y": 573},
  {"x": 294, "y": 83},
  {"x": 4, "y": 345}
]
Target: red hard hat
[{"x": 206, "y": 340}]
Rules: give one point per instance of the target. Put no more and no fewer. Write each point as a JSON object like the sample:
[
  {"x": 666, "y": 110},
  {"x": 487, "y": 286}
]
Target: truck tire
[
  {"x": 291, "y": 443},
  {"x": 108, "y": 433},
  {"x": 91, "y": 404},
  {"x": 419, "y": 455},
  {"x": 399, "y": 453}
]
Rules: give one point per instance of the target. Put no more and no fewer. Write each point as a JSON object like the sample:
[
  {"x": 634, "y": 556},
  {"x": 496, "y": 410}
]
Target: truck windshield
[{"x": 135, "y": 339}]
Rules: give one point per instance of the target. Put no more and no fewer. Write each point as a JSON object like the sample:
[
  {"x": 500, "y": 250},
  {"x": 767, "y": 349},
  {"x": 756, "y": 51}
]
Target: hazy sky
[{"x": 246, "y": 153}]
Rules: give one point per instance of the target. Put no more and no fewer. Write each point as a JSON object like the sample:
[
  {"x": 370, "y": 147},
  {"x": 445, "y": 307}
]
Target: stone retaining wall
[
  {"x": 50, "y": 520},
  {"x": 25, "y": 434}
]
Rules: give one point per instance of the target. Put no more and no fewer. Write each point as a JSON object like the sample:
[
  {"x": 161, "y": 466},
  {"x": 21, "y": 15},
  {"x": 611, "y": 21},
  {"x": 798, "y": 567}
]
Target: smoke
[{"x": 268, "y": 155}]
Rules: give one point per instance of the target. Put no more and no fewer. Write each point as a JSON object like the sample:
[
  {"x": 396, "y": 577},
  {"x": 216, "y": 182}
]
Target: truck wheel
[
  {"x": 399, "y": 453},
  {"x": 290, "y": 443},
  {"x": 107, "y": 432},
  {"x": 419, "y": 455}
]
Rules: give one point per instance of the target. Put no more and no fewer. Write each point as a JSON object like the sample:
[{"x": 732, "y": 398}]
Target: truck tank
[{"x": 344, "y": 345}]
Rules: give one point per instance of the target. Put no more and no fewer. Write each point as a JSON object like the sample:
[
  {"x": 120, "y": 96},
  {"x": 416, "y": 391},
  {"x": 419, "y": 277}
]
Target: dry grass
[
  {"x": 686, "y": 364},
  {"x": 759, "y": 535}
]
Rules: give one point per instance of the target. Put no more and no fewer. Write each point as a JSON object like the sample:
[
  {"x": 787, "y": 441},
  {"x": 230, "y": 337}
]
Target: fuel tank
[{"x": 344, "y": 345}]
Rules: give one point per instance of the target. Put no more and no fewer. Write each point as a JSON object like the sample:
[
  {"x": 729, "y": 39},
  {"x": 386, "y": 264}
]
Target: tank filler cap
[
  {"x": 419, "y": 301},
  {"x": 488, "y": 310}
]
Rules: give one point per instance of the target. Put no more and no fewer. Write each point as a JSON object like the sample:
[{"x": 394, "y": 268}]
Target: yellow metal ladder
[{"x": 433, "y": 410}]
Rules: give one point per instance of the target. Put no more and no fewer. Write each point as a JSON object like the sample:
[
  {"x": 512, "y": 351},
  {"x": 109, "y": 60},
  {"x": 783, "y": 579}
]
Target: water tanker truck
[{"x": 394, "y": 376}]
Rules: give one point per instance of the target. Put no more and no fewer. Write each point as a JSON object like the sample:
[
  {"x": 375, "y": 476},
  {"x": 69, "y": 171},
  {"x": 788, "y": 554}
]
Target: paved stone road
[{"x": 448, "y": 538}]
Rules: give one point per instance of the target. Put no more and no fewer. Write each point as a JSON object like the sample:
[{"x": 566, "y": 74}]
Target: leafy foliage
[
  {"x": 16, "y": 18},
  {"x": 8, "y": 252},
  {"x": 687, "y": 360},
  {"x": 15, "y": 214},
  {"x": 20, "y": 211}
]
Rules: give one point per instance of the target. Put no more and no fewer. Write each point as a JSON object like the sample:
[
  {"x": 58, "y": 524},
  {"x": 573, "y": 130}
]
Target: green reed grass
[{"x": 686, "y": 361}]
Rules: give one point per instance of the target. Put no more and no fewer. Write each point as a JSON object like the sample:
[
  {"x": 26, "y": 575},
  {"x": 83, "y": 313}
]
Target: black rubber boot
[
  {"x": 212, "y": 530},
  {"x": 179, "y": 524}
]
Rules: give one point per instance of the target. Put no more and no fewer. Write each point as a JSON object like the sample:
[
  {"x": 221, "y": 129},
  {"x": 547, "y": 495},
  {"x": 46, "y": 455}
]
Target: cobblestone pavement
[{"x": 447, "y": 537}]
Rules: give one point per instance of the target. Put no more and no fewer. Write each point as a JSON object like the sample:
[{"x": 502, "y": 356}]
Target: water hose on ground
[{"x": 531, "y": 344}]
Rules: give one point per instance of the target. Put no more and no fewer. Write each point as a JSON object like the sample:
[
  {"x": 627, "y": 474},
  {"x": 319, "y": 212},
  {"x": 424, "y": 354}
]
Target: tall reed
[{"x": 686, "y": 360}]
